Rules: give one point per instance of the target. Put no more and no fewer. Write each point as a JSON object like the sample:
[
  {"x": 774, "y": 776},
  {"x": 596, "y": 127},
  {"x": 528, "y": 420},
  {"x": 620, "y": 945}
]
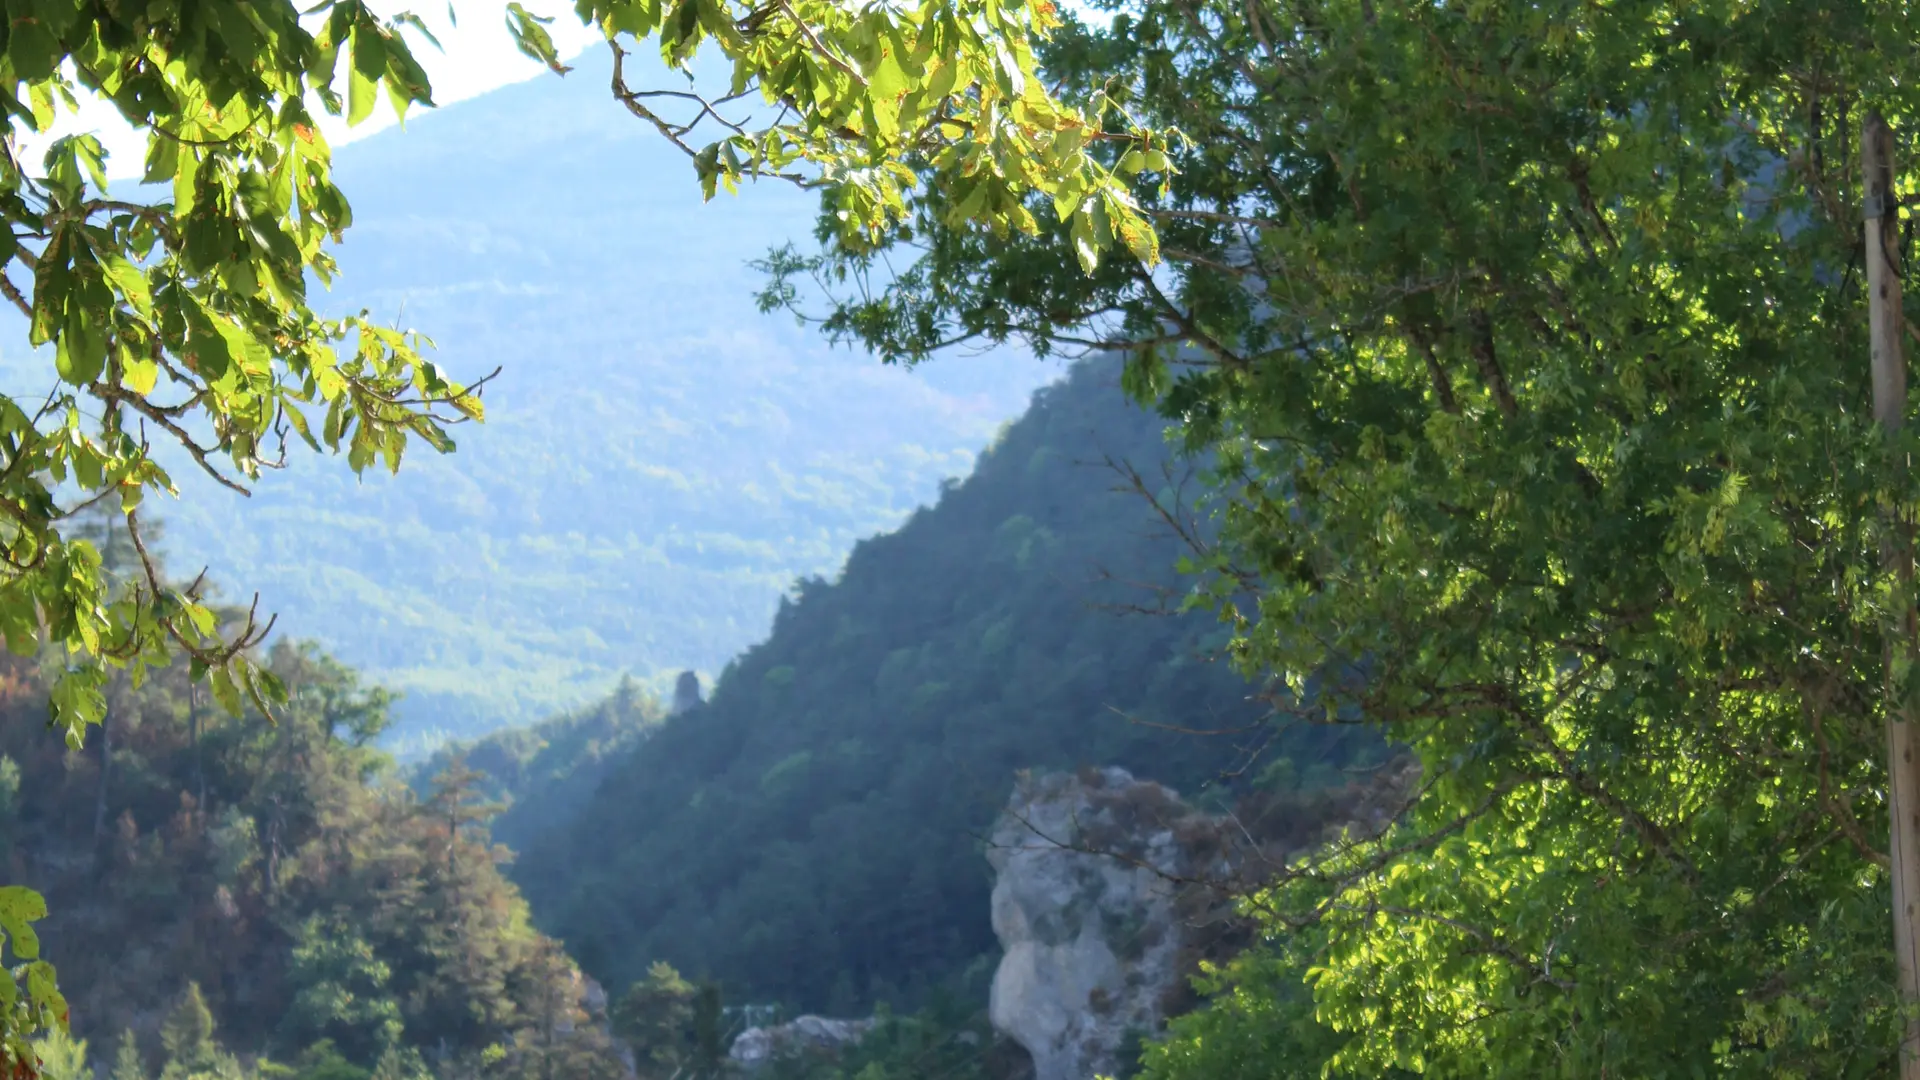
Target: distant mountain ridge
[
  {"x": 660, "y": 461},
  {"x": 541, "y": 775}
]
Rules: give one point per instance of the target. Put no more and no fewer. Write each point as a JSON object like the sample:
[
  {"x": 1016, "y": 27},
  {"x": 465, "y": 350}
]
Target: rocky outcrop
[
  {"x": 1109, "y": 890},
  {"x": 1086, "y": 906},
  {"x": 757, "y": 1046}
]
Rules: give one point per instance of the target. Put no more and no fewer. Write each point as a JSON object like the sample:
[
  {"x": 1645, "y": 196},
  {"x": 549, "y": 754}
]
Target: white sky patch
[{"x": 479, "y": 55}]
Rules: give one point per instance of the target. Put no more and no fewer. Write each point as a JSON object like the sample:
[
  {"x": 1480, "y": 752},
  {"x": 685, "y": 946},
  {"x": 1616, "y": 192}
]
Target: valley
[
  {"x": 810, "y": 838},
  {"x": 660, "y": 462}
]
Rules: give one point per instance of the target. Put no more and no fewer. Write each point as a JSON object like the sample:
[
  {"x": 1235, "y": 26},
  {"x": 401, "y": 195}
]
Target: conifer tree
[
  {"x": 459, "y": 807},
  {"x": 187, "y": 1036},
  {"x": 127, "y": 1062},
  {"x": 655, "y": 1017},
  {"x": 709, "y": 1044}
]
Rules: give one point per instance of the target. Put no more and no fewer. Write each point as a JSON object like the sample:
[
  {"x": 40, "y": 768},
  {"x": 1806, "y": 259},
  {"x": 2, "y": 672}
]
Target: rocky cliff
[
  {"x": 1108, "y": 891},
  {"x": 1085, "y": 905}
]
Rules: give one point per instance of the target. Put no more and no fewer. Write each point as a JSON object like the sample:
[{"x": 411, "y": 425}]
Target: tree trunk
[{"x": 1886, "y": 325}]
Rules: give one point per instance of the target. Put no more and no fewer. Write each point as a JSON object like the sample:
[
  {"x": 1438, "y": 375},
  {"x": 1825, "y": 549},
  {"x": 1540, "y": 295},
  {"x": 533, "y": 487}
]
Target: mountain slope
[
  {"x": 660, "y": 460},
  {"x": 542, "y": 774},
  {"x": 808, "y": 835}
]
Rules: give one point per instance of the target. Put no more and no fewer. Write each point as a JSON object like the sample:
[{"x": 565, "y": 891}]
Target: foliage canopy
[{"x": 1530, "y": 342}]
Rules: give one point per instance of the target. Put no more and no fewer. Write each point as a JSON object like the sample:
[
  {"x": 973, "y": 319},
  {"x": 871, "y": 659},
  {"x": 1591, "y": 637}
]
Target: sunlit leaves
[
  {"x": 174, "y": 315},
  {"x": 29, "y": 1000},
  {"x": 868, "y": 100},
  {"x": 1522, "y": 341},
  {"x": 530, "y": 34},
  {"x": 178, "y": 314}
]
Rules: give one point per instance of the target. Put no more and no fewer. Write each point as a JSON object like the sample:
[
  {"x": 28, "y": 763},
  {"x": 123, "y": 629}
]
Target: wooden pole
[{"x": 1886, "y": 326}]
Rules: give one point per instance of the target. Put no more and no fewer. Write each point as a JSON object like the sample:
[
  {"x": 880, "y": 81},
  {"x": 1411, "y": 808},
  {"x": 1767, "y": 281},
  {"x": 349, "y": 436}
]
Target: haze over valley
[{"x": 660, "y": 461}]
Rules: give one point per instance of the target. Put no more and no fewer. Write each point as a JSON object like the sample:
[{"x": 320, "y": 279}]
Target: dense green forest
[
  {"x": 314, "y": 912},
  {"x": 811, "y": 835},
  {"x": 278, "y": 879}
]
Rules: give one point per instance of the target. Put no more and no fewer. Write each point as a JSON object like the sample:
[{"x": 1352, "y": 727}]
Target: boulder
[
  {"x": 1086, "y": 906},
  {"x": 807, "y": 1034},
  {"x": 1109, "y": 892}
]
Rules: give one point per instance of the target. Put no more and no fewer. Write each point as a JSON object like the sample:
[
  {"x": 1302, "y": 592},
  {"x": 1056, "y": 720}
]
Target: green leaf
[
  {"x": 1085, "y": 249},
  {"x": 225, "y": 692},
  {"x": 887, "y": 80},
  {"x": 369, "y": 65},
  {"x": 81, "y": 352},
  {"x": 409, "y": 19},
  {"x": 530, "y": 36},
  {"x": 470, "y": 405},
  {"x": 330, "y": 382},
  {"x": 200, "y": 617},
  {"x": 271, "y": 685},
  {"x": 35, "y": 54},
  {"x": 137, "y": 373},
  {"x": 298, "y": 421},
  {"x": 93, "y": 157},
  {"x": 26, "y": 943},
  {"x": 206, "y": 346},
  {"x": 19, "y": 906},
  {"x": 1139, "y": 237},
  {"x": 77, "y": 702},
  {"x": 129, "y": 281},
  {"x": 186, "y": 176}
]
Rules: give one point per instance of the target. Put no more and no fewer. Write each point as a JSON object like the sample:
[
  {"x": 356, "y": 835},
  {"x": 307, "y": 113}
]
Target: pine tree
[
  {"x": 626, "y": 698},
  {"x": 187, "y": 1036},
  {"x": 127, "y": 1062},
  {"x": 458, "y": 805}
]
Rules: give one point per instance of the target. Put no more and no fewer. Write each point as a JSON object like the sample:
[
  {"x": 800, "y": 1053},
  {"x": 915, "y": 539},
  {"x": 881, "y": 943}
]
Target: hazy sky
[{"x": 478, "y": 56}]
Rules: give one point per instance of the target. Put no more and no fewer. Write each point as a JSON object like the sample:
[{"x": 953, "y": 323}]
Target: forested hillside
[
  {"x": 810, "y": 834},
  {"x": 542, "y": 774},
  {"x": 659, "y": 461},
  {"x": 274, "y": 888}
]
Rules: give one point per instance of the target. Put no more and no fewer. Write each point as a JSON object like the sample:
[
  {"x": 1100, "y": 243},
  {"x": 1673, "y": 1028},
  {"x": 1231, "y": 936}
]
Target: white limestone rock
[
  {"x": 1091, "y": 933},
  {"x": 758, "y": 1045}
]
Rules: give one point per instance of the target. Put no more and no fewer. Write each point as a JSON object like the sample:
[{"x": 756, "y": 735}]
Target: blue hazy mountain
[{"x": 660, "y": 461}]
